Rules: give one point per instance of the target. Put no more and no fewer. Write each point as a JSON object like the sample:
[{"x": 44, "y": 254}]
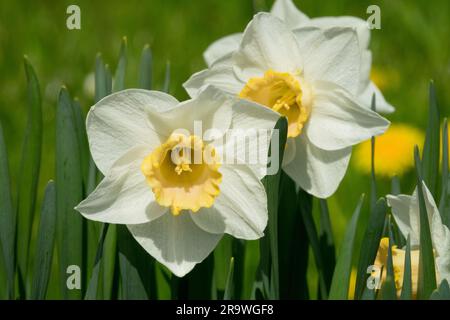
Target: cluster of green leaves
[{"x": 428, "y": 171}]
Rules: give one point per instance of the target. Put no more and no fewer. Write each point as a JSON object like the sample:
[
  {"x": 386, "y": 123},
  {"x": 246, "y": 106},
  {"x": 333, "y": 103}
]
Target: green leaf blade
[
  {"x": 136, "y": 267},
  {"x": 371, "y": 240},
  {"x": 92, "y": 290},
  {"x": 45, "y": 244},
  {"x": 7, "y": 218},
  {"x": 146, "y": 68},
  {"x": 293, "y": 243},
  {"x": 229, "y": 287},
  {"x": 101, "y": 87},
  {"x": 430, "y": 155},
  {"x": 388, "y": 290},
  {"x": 407, "y": 290},
  {"x": 341, "y": 277},
  {"x": 29, "y": 171},
  {"x": 271, "y": 184},
  {"x": 119, "y": 77},
  {"x": 445, "y": 192},
  {"x": 427, "y": 271},
  {"x": 69, "y": 192}
]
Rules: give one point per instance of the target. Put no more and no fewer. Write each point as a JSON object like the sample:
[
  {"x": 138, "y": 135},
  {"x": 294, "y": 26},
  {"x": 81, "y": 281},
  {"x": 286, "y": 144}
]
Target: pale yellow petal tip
[
  {"x": 282, "y": 92},
  {"x": 393, "y": 151},
  {"x": 187, "y": 180}
]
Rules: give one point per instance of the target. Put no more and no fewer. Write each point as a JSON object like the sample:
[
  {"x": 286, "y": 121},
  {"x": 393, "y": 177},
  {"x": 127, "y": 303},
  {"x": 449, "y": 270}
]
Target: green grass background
[{"x": 413, "y": 41}]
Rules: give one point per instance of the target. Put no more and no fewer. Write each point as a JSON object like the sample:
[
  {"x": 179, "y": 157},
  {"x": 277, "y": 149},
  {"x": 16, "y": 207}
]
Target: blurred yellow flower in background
[{"x": 393, "y": 151}]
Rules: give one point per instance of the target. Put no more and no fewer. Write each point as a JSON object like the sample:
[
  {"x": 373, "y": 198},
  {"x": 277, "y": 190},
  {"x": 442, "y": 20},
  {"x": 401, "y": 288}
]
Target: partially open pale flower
[
  {"x": 398, "y": 261},
  {"x": 294, "y": 19},
  {"x": 168, "y": 184},
  {"x": 311, "y": 78},
  {"x": 405, "y": 210}
]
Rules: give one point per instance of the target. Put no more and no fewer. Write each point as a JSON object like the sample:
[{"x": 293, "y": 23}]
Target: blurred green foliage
[{"x": 410, "y": 49}]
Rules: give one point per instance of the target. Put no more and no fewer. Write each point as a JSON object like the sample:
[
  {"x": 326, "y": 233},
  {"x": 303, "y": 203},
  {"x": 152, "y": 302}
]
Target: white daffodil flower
[
  {"x": 311, "y": 78},
  {"x": 294, "y": 18},
  {"x": 169, "y": 186},
  {"x": 405, "y": 210}
]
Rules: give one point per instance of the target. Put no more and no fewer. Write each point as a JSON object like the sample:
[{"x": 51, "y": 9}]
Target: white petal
[
  {"x": 364, "y": 79},
  {"x": 414, "y": 211},
  {"x": 381, "y": 104},
  {"x": 338, "y": 121},
  {"x": 289, "y": 151},
  {"x": 441, "y": 240},
  {"x": 207, "y": 114},
  {"x": 400, "y": 205},
  {"x": 331, "y": 55},
  {"x": 362, "y": 29},
  {"x": 318, "y": 172},
  {"x": 267, "y": 43},
  {"x": 220, "y": 48},
  {"x": 249, "y": 137},
  {"x": 241, "y": 207},
  {"x": 122, "y": 121},
  {"x": 123, "y": 196},
  {"x": 219, "y": 75},
  {"x": 289, "y": 13},
  {"x": 175, "y": 241},
  {"x": 439, "y": 232}
]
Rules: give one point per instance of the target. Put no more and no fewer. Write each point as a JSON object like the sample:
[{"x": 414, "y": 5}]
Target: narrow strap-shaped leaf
[
  {"x": 146, "y": 68},
  {"x": 136, "y": 267},
  {"x": 341, "y": 277},
  {"x": 395, "y": 186},
  {"x": 238, "y": 252},
  {"x": 7, "y": 218},
  {"x": 399, "y": 239},
  {"x": 109, "y": 262},
  {"x": 430, "y": 155},
  {"x": 427, "y": 271},
  {"x": 82, "y": 140},
  {"x": 388, "y": 290},
  {"x": 166, "y": 86},
  {"x": 92, "y": 290},
  {"x": 69, "y": 193},
  {"x": 407, "y": 274},
  {"x": 293, "y": 244},
  {"x": 445, "y": 192},
  {"x": 442, "y": 293},
  {"x": 271, "y": 184},
  {"x": 305, "y": 203},
  {"x": 229, "y": 286},
  {"x": 119, "y": 76},
  {"x": 101, "y": 89},
  {"x": 45, "y": 244},
  {"x": 326, "y": 242},
  {"x": 373, "y": 181},
  {"x": 29, "y": 171},
  {"x": 108, "y": 80},
  {"x": 371, "y": 241}
]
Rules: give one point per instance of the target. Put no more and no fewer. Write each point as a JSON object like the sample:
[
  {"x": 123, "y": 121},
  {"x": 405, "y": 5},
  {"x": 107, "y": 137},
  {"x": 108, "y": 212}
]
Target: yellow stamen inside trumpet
[{"x": 281, "y": 92}]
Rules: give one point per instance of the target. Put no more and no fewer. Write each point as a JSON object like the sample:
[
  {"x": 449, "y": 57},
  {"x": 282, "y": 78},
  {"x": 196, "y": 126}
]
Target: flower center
[
  {"x": 281, "y": 92},
  {"x": 183, "y": 173}
]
